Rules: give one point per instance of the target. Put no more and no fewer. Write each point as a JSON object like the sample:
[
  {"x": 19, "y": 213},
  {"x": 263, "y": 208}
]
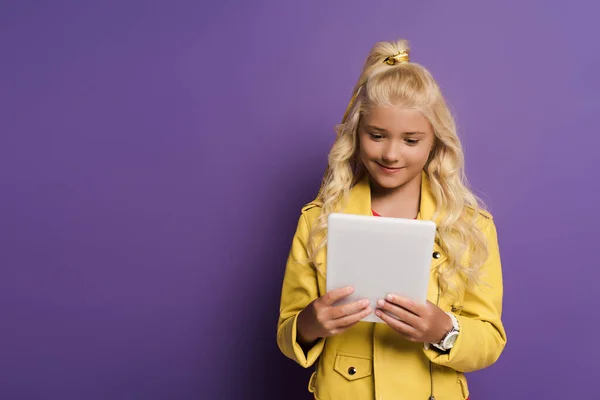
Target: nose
[{"x": 391, "y": 153}]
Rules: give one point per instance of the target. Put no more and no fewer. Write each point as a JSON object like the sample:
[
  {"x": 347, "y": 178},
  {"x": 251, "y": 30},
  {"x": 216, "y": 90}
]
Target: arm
[
  {"x": 299, "y": 290},
  {"x": 482, "y": 336}
]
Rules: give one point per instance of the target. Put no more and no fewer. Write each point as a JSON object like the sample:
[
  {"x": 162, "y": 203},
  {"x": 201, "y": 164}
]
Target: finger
[
  {"x": 349, "y": 320},
  {"x": 407, "y": 304},
  {"x": 404, "y": 315},
  {"x": 348, "y": 309},
  {"x": 337, "y": 294},
  {"x": 399, "y": 326}
]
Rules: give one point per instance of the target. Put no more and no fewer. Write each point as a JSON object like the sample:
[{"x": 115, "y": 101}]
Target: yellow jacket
[{"x": 388, "y": 367}]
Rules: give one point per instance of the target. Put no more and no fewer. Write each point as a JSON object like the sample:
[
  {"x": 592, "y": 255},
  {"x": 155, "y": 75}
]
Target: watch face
[{"x": 449, "y": 342}]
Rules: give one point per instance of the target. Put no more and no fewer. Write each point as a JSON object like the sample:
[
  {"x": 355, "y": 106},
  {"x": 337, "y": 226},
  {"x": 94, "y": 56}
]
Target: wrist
[
  {"x": 302, "y": 332},
  {"x": 447, "y": 327},
  {"x": 447, "y": 341}
]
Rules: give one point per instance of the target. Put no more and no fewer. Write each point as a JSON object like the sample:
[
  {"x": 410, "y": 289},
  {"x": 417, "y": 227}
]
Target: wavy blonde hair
[{"x": 410, "y": 85}]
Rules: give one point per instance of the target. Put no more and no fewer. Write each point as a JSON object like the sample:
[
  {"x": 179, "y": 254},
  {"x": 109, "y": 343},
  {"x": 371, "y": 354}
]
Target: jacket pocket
[{"x": 353, "y": 367}]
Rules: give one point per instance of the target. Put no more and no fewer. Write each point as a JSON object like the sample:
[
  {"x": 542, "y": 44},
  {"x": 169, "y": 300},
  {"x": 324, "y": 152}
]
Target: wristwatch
[{"x": 449, "y": 339}]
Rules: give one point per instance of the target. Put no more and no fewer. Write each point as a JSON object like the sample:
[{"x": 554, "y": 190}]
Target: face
[{"x": 394, "y": 145}]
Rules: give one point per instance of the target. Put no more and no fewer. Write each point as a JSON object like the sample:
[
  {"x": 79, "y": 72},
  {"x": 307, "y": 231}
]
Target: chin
[{"x": 389, "y": 182}]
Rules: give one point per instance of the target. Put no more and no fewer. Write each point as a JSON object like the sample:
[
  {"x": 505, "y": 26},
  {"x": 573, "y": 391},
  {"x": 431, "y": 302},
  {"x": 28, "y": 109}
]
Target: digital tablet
[{"x": 378, "y": 256}]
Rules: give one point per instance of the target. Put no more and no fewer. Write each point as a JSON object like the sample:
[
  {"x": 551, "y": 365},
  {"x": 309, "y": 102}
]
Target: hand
[
  {"x": 321, "y": 319},
  {"x": 425, "y": 323}
]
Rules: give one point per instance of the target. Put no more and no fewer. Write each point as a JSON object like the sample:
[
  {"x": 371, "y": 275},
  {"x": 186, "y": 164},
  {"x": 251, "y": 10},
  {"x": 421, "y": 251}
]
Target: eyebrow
[{"x": 375, "y": 128}]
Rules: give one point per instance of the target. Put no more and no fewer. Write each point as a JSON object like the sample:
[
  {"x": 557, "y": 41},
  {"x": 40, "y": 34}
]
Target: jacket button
[
  {"x": 351, "y": 370},
  {"x": 436, "y": 255}
]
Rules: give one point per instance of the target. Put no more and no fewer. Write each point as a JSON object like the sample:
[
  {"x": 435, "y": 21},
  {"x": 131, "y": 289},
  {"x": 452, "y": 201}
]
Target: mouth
[{"x": 389, "y": 170}]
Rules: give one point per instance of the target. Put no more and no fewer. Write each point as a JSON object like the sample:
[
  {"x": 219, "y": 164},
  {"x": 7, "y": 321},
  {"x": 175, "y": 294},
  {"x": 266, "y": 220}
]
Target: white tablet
[{"x": 377, "y": 256}]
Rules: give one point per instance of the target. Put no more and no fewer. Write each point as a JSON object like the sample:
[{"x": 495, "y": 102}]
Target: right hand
[{"x": 321, "y": 319}]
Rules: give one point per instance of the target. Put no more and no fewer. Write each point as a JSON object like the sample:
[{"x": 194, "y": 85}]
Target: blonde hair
[{"x": 457, "y": 208}]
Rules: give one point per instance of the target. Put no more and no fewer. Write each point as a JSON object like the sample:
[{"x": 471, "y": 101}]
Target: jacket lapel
[
  {"x": 427, "y": 210},
  {"x": 359, "y": 199}
]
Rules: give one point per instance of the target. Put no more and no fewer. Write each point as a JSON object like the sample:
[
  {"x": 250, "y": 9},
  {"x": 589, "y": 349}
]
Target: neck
[{"x": 400, "y": 202}]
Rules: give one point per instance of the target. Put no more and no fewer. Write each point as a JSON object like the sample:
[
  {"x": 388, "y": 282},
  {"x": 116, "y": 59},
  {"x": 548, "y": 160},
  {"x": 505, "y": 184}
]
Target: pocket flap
[{"x": 353, "y": 367}]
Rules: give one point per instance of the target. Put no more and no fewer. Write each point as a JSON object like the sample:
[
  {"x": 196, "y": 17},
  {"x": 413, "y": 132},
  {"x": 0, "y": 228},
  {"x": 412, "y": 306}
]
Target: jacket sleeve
[
  {"x": 298, "y": 290},
  {"x": 482, "y": 336}
]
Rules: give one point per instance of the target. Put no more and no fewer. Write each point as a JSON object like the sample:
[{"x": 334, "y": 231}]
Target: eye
[
  {"x": 376, "y": 136},
  {"x": 411, "y": 142}
]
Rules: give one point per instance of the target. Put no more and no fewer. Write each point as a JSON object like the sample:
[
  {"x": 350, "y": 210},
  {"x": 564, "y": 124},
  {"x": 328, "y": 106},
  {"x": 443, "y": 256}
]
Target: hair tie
[{"x": 399, "y": 58}]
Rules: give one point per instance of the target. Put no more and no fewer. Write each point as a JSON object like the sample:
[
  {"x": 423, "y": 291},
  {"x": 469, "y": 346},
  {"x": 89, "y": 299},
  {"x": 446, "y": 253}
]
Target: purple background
[{"x": 154, "y": 157}]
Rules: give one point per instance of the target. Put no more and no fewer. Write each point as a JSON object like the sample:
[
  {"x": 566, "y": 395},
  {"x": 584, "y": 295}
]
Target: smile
[{"x": 388, "y": 169}]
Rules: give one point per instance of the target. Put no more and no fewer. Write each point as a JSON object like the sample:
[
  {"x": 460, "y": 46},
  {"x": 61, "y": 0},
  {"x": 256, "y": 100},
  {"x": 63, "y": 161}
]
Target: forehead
[{"x": 397, "y": 119}]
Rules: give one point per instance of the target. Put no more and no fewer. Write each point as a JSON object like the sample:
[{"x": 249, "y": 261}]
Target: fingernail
[
  {"x": 378, "y": 313},
  {"x": 380, "y": 303},
  {"x": 364, "y": 302},
  {"x": 390, "y": 297},
  {"x": 368, "y": 310}
]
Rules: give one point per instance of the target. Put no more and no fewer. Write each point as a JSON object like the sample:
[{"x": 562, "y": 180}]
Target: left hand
[{"x": 425, "y": 323}]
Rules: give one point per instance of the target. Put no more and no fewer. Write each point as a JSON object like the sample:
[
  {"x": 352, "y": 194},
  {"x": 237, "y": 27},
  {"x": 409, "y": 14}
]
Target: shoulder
[
  {"x": 485, "y": 214},
  {"x": 312, "y": 211},
  {"x": 307, "y": 219},
  {"x": 482, "y": 214},
  {"x": 483, "y": 219}
]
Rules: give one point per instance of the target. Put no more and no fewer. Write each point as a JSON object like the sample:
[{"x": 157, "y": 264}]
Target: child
[{"x": 396, "y": 154}]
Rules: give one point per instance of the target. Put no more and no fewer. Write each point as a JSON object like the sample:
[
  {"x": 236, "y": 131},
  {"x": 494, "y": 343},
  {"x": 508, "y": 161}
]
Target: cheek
[
  {"x": 366, "y": 150},
  {"x": 419, "y": 155}
]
